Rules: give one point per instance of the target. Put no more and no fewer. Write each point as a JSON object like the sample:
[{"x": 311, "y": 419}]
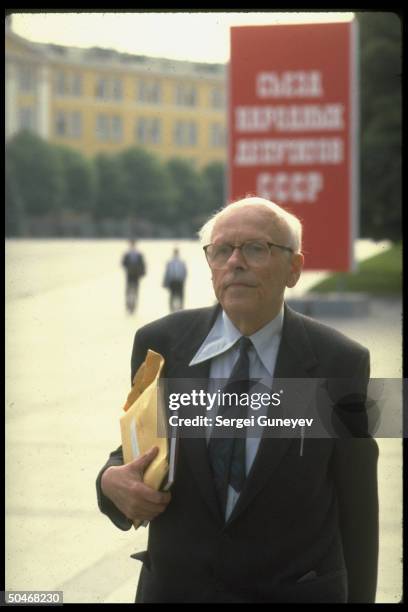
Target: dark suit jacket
[{"x": 305, "y": 528}]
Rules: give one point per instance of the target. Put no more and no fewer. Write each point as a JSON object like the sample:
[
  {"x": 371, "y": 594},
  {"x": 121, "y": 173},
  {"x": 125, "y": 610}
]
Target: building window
[
  {"x": 68, "y": 124},
  {"x": 26, "y": 80},
  {"x": 148, "y": 130},
  {"x": 117, "y": 90},
  {"x": 116, "y": 128},
  {"x": 26, "y": 118},
  {"x": 68, "y": 83},
  {"x": 76, "y": 124},
  {"x": 217, "y": 135},
  {"x": 60, "y": 83},
  {"x": 102, "y": 127},
  {"x": 141, "y": 131},
  {"x": 76, "y": 84},
  {"x": 109, "y": 128},
  {"x": 109, "y": 88},
  {"x": 156, "y": 131},
  {"x": 60, "y": 124},
  {"x": 185, "y": 95},
  {"x": 217, "y": 98},
  {"x": 185, "y": 134},
  {"x": 148, "y": 91},
  {"x": 101, "y": 89}
]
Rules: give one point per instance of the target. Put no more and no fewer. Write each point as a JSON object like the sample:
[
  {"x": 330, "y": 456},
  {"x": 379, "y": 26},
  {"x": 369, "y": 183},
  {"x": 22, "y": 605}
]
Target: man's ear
[{"x": 296, "y": 265}]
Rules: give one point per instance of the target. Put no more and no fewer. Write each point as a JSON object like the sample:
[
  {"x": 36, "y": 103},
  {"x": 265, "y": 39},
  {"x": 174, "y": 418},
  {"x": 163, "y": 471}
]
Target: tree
[
  {"x": 147, "y": 188},
  {"x": 110, "y": 202},
  {"x": 14, "y": 206},
  {"x": 380, "y": 86},
  {"x": 79, "y": 180},
  {"x": 35, "y": 173},
  {"x": 191, "y": 197},
  {"x": 215, "y": 177}
]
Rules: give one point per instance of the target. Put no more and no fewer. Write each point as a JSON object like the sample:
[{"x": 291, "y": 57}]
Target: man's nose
[{"x": 236, "y": 259}]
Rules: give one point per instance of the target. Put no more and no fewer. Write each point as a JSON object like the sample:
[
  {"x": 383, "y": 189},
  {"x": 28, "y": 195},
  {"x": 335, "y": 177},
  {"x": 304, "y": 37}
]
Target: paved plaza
[{"x": 68, "y": 344}]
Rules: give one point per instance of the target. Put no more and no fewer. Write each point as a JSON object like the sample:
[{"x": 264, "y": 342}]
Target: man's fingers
[
  {"x": 125, "y": 487},
  {"x": 152, "y": 496},
  {"x": 146, "y": 503},
  {"x": 141, "y": 463}
]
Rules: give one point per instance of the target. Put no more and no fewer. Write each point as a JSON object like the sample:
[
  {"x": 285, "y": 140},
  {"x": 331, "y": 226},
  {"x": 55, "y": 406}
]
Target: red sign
[{"x": 293, "y": 130}]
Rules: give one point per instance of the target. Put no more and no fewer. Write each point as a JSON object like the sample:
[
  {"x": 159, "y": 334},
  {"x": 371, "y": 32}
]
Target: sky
[{"x": 192, "y": 36}]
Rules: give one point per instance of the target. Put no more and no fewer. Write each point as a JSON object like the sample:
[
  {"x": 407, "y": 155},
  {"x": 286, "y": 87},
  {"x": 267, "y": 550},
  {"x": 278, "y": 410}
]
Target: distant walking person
[
  {"x": 134, "y": 264},
  {"x": 174, "y": 279}
]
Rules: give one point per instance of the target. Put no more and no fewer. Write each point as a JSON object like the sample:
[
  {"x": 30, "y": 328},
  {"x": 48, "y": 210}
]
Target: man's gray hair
[{"x": 282, "y": 218}]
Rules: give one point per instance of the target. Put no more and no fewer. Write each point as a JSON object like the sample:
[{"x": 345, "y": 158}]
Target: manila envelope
[{"x": 144, "y": 417}]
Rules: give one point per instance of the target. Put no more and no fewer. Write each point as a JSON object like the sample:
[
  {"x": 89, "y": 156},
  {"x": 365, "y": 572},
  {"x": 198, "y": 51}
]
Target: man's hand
[{"x": 124, "y": 486}]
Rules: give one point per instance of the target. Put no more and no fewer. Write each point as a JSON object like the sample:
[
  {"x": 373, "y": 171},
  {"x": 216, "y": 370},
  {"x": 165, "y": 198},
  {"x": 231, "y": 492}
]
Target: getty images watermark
[
  {"x": 311, "y": 407},
  {"x": 229, "y": 403}
]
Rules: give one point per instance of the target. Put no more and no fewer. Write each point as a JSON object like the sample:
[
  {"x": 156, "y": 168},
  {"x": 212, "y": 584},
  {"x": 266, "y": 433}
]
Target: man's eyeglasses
[{"x": 255, "y": 252}]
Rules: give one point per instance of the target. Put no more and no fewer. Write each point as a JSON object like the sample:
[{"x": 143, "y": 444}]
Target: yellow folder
[{"x": 144, "y": 420}]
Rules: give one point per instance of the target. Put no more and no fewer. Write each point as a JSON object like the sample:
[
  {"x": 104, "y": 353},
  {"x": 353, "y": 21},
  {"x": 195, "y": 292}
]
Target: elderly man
[{"x": 273, "y": 523}]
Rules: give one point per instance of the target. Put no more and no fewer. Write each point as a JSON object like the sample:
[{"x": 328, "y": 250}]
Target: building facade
[{"x": 99, "y": 100}]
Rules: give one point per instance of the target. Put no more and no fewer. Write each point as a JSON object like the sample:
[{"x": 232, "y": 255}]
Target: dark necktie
[{"x": 227, "y": 455}]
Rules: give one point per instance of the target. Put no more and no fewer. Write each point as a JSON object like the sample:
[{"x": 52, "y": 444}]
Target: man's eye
[
  {"x": 255, "y": 248},
  {"x": 222, "y": 250}
]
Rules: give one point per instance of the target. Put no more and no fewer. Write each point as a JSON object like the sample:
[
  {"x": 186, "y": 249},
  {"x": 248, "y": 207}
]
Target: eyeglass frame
[{"x": 240, "y": 246}]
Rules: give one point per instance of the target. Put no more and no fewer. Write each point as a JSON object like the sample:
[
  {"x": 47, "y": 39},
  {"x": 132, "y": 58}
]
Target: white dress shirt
[{"x": 221, "y": 347}]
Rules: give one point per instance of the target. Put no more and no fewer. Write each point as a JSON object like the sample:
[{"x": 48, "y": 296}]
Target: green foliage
[
  {"x": 191, "y": 194},
  {"x": 132, "y": 189},
  {"x": 214, "y": 175},
  {"x": 378, "y": 275},
  {"x": 110, "y": 201},
  {"x": 14, "y": 206},
  {"x": 79, "y": 180},
  {"x": 147, "y": 189},
  {"x": 381, "y": 123},
  {"x": 35, "y": 179}
]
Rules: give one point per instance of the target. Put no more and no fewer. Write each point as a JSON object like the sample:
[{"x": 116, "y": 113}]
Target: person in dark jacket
[
  {"x": 134, "y": 264},
  {"x": 296, "y": 518},
  {"x": 174, "y": 278}
]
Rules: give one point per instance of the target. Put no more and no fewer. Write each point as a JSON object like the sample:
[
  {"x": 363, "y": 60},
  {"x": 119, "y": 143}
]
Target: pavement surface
[{"x": 68, "y": 344}]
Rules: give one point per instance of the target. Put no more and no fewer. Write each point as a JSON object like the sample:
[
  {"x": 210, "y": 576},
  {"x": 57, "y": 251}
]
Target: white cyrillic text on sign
[{"x": 273, "y": 120}]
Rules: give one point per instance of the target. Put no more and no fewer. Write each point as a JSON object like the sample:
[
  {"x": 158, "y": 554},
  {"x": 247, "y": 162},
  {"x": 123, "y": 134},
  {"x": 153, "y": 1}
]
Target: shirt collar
[
  {"x": 223, "y": 335},
  {"x": 264, "y": 339}
]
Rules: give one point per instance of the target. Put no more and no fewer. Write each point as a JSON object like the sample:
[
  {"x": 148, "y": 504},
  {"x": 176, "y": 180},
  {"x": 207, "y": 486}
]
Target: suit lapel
[
  {"x": 296, "y": 357},
  {"x": 295, "y": 360},
  {"x": 195, "y": 449}
]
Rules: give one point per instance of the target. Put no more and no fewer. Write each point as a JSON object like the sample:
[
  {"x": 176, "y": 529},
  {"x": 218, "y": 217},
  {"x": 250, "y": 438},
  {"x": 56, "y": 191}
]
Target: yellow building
[{"x": 99, "y": 100}]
